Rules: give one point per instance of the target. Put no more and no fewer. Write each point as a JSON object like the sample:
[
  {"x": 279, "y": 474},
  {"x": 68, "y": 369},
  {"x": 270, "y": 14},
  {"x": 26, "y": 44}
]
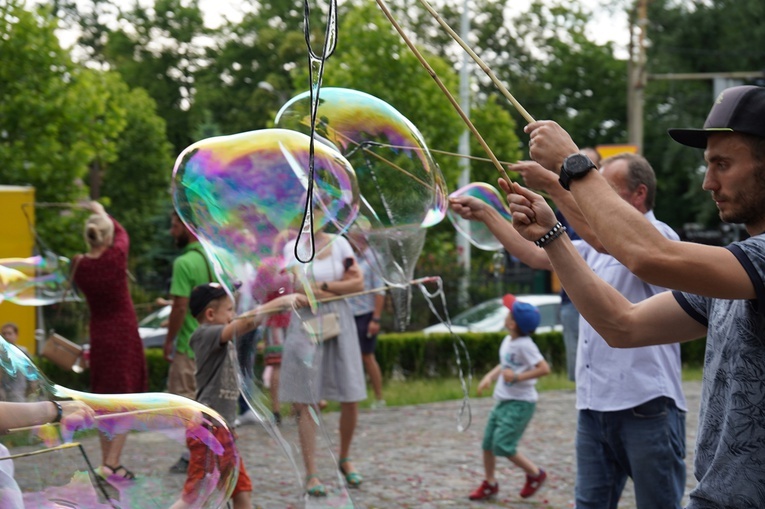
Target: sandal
[
  {"x": 126, "y": 474},
  {"x": 317, "y": 490},
  {"x": 354, "y": 478}
]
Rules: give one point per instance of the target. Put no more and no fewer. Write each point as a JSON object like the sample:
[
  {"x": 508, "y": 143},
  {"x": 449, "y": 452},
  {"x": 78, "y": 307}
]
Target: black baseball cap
[
  {"x": 736, "y": 109},
  {"x": 203, "y": 295}
]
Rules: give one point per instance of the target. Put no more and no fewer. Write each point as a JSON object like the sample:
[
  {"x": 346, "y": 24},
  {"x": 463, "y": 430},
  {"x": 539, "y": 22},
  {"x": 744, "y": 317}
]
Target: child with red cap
[{"x": 520, "y": 364}]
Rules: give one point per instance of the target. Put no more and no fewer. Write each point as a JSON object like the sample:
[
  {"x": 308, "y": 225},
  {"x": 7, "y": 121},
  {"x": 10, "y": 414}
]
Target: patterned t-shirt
[{"x": 730, "y": 444}]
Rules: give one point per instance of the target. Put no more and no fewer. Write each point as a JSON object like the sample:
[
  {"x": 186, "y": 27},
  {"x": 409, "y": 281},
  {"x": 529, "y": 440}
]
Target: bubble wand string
[
  {"x": 426, "y": 65},
  {"x": 481, "y": 63}
]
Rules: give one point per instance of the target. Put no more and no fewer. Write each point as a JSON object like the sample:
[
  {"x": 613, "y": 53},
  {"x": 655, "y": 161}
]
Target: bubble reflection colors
[
  {"x": 244, "y": 196},
  {"x": 398, "y": 178},
  {"x": 479, "y": 235},
  {"x": 34, "y": 281},
  {"x": 54, "y": 465},
  {"x": 403, "y": 190}
]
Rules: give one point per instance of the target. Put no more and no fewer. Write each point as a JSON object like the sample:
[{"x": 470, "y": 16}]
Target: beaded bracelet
[{"x": 555, "y": 232}]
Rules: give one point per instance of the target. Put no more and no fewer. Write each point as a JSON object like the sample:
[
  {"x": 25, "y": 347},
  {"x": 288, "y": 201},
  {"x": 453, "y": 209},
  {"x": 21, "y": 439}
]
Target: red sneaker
[
  {"x": 484, "y": 491},
  {"x": 533, "y": 484}
]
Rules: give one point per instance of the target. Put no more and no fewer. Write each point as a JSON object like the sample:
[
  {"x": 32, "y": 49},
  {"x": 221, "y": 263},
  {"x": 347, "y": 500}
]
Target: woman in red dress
[{"x": 117, "y": 360}]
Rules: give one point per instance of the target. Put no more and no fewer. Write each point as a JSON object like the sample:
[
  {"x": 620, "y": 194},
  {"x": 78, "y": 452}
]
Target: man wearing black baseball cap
[{"x": 719, "y": 291}]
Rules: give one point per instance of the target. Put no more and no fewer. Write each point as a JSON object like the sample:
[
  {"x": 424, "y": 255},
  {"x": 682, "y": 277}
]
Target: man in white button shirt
[{"x": 630, "y": 401}]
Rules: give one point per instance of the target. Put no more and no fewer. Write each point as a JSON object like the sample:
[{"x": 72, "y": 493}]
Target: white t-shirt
[
  {"x": 330, "y": 268},
  {"x": 520, "y": 355}
]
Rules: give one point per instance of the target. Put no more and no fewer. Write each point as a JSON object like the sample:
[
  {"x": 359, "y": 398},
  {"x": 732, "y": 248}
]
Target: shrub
[{"x": 407, "y": 354}]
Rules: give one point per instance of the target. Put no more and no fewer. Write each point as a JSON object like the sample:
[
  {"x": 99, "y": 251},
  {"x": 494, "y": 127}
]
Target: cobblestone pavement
[{"x": 410, "y": 457}]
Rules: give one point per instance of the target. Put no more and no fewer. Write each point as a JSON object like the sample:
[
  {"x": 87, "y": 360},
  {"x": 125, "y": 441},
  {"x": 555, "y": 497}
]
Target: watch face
[{"x": 578, "y": 164}]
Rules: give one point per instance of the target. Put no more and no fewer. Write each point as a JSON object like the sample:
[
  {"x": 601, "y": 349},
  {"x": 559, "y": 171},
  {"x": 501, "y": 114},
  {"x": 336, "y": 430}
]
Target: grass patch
[
  {"x": 432, "y": 390},
  {"x": 692, "y": 373}
]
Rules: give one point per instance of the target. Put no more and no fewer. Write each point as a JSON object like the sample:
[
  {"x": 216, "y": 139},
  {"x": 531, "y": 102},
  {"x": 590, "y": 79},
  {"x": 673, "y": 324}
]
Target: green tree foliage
[
  {"x": 158, "y": 49},
  {"x": 137, "y": 182},
  {"x": 45, "y": 127},
  {"x": 695, "y": 37},
  {"x": 247, "y": 77},
  {"x": 75, "y": 133}
]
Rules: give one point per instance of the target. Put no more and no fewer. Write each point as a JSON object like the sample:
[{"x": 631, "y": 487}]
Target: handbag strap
[{"x": 69, "y": 285}]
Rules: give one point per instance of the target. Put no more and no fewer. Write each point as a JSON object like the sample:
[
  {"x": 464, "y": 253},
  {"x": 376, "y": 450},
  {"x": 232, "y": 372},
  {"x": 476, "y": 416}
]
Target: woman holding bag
[
  {"x": 117, "y": 360},
  {"x": 315, "y": 367}
]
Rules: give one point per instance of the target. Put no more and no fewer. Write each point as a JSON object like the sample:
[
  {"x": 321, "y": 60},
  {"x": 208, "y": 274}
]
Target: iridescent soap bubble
[
  {"x": 35, "y": 280},
  {"x": 403, "y": 190},
  {"x": 56, "y": 465},
  {"x": 244, "y": 196},
  {"x": 479, "y": 235}
]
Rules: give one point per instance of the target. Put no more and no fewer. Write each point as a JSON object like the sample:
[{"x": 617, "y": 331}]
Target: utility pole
[
  {"x": 636, "y": 74},
  {"x": 463, "y": 244}
]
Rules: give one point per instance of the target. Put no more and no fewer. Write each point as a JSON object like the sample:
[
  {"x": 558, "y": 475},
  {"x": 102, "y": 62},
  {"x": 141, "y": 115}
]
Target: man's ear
[{"x": 639, "y": 195}]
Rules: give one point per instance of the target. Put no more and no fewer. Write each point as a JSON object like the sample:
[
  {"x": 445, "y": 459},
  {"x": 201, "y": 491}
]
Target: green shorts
[{"x": 506, "y": 424}]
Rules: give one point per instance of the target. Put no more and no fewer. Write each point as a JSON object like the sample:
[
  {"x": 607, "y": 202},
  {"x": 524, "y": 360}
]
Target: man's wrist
[{"x": 376, "y": 319}]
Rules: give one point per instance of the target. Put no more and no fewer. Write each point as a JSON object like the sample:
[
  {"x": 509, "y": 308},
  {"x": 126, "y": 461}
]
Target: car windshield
[
  {"x": 155, "y": 319},
  {"x": 548, "y": 314},
  {"x": 479, "y": 313}
]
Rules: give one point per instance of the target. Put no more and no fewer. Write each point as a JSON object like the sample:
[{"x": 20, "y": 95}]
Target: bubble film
[
  {"x": 479, "y": 235},
  {"x": 35, "y": 281},
  {"x": 244, "y": 197},
  {"x": 57, "y": 465},
  {"x": 402, "y": 189}
]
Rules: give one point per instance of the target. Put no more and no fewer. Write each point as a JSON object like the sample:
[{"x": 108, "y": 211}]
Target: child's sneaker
[
  {"x": 533, "y": 484},
  {"x": 484, "y": 491}
]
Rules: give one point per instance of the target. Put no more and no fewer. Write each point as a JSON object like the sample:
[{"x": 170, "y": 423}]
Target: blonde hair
[{"x": 99, "y": 230}]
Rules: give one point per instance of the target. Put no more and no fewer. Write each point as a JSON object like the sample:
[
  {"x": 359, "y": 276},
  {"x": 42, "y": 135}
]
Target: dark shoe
[
  {"x": 180, "y": 467},
  {"x": 485, "y": 491},
  {"x": 118, "y": 473},
  {"x": 277, "y": 418},
  {"x": 533, "y": 484}
]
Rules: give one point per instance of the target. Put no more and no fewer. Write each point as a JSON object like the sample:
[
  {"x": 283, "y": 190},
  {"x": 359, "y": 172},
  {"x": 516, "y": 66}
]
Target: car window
[
  {"x": 478, "y": 313},
  {"x": 548, "y": 314},
  {"x": 155, "y": 319}
]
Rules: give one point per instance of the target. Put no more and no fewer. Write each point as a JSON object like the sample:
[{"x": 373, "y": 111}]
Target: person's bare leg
[
  {"x": 242, "y": 500},
  {"x": 349, "y": 413},
  {"x": 526, "y": 464},
  {"x": 111, "y": 450},
  {"x": 274, "y": 389},
  {"x": 307, "y": 436},
  {"x": 489, "y": 466},
  {"x": 375, "y": 376}
]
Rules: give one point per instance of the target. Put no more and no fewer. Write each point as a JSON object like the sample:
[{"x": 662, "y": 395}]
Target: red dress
[{"x": 117, "y": 360}]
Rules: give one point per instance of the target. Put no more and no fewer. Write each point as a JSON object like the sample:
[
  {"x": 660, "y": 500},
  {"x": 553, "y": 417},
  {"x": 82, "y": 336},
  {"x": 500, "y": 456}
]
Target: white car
[
  {"x": 152, "y": 329},
  {"x": 490, "y": 316}
]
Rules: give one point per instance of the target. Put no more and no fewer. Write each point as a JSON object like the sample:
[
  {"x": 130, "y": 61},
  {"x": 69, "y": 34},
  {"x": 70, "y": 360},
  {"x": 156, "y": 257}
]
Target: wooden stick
[
  {"x": 250, "y": 314},
  {"x": 446, "y": 92},
  {"x": 98, "y": 417},
  {"x": 481, "y": 64}
]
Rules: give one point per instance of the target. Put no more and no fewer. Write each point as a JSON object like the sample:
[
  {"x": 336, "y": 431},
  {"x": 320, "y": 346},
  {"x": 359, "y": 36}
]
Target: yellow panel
[
  {"x": 607, "y": 151},
  {"x": 17, "y": 241}
]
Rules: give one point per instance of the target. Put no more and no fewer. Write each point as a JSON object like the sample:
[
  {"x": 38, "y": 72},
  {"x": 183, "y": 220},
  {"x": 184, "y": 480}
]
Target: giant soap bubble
[
  {"x": 244, "y": 196},
  {"x": 402, "y": 189},
  {"x": 35, "y": 281},
  {"x": 479, "y": 235},
  {"x": 57, "y": 465}
]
